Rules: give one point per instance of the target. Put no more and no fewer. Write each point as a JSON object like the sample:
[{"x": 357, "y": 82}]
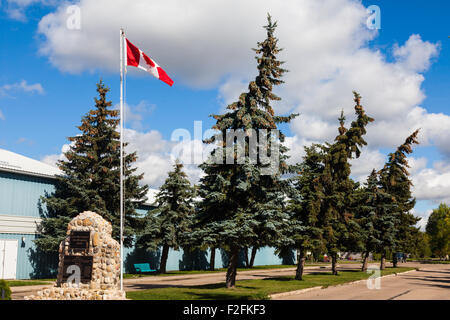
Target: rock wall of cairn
[
  {"x": 105, "y": 252},
  {"x": 57, "y": 293}
]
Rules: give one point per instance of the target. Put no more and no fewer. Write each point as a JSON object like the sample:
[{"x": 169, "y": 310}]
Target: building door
[{"x": 8, "y": 259}]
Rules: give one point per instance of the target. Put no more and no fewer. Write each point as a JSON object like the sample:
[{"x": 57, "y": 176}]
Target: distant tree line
[{"x": 438, "y": 232}]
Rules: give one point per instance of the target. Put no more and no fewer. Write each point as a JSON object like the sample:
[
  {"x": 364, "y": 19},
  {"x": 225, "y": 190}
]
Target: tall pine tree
[
  {"x": 243, "y": 205},
  {"x": 394, "y": 178},
  {"x": 167, "y": 225},
  {"x": 376, "y": 218},
  {"x": 90, "y": 179},
  {"x": 336, "y": 217},
  {"x": 305, "y": 201}
]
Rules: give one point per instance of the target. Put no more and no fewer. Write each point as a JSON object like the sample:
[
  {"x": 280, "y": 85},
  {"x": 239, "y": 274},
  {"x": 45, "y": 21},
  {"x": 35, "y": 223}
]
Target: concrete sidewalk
[
  {"x": 18, "y": 293},
  {"x": 430, "y": 282},
  {"x": 150, "y": 282}
]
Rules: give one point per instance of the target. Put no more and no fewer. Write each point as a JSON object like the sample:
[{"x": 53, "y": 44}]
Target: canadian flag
[{"x": 137, "y": 58}]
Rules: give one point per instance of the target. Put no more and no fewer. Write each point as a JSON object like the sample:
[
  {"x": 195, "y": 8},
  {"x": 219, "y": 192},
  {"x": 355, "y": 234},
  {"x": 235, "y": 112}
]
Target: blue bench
[{"x": 143, "y": 267}]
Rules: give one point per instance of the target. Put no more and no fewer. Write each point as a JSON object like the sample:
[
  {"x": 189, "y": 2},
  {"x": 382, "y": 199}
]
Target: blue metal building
[{"x": 22, "y": 182}]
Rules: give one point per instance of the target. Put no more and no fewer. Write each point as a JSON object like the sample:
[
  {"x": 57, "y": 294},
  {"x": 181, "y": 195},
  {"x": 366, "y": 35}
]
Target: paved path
[
  {"x": 150, "y": 282},
  {"x": 143, "y": 283},
  {"x": 431, "y": 282}
]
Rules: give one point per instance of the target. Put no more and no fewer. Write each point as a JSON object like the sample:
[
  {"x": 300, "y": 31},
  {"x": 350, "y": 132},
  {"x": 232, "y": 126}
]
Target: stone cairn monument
[{"x": 89, "y": 263}]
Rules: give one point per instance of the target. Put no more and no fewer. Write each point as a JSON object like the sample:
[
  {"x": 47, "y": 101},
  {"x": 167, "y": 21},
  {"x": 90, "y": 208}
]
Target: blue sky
[
  {"x": 43, "y": 96},
  {"x": 45, "y": 120},
  {"x": 400, "y": 19}
]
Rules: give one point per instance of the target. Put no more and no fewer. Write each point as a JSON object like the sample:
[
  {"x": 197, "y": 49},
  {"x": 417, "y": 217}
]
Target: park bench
[{"x": 143, "y": 267}]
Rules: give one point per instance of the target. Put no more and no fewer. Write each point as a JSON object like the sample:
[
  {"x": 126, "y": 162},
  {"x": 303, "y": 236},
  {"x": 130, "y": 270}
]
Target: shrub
[{"x": 5, "y": 291}]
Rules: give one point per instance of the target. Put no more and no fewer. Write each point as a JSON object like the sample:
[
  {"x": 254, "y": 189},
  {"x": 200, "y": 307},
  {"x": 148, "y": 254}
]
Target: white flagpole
[{"x": 121, "y": 156}]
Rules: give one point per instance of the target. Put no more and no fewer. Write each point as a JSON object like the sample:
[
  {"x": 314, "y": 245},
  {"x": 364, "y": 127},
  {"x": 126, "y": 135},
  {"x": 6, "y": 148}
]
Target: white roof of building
[{"x": 13, "y": 162}]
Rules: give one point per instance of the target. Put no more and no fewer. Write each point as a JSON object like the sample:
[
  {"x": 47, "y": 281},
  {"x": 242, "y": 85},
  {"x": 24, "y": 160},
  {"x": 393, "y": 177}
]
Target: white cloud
[
  {"x": 296, "y": 150},
  {"x": 23, "y": 140},
  {"x": 391, "y": 94},
  {"x": 431, "y": 183},
  {"x": 195, "y": 40},
  {"x": 2, "y": 116},
  {"x": 415, "y": 54},
  {"x": 424, "y": 215},
  {"x": 21, "y": 86},
  {"x": 157, "y": 156},
  {"x": 135, "y": 114},
  {"x": 363, "y": 166},
  {"x": 153, "y": 154},
  {"x": 231, "y": 89},
  {"x": 207, "y": 44},
  {"x": 16, "y": 14},
  {"x": 52, "y": 159},
  {"x": 313, "y": 127},
  {"x": 24, "y": 3},
  {"x": 326, "y": 51},
  {"x": 16, "y": 9}
]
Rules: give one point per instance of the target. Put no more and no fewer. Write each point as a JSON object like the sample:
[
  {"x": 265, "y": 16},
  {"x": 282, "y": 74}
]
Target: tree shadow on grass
[
  {"x": 221, "y": 286},
  {"x": 212, "y": 286},
  {"x": 149, "y": 286},
  {"x": 319, "y": 274},
  {"x": 224, "y": 296},
  {"x": 286, "y": 278}
]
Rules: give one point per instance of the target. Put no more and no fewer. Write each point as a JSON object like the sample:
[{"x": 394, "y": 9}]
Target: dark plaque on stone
[
  {"x": 83, "y": 262},
  {"x": 79, "y": 240}
]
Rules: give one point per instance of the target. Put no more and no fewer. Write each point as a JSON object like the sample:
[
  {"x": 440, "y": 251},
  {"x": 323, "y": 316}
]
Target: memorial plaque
[
  {"x": 79, "y": 240},
  {"x": 89, "y": 263},
  {"x": 83, "y": 262}
]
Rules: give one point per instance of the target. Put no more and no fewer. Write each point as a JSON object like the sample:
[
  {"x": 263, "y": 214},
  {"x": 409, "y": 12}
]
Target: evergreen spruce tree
[
  {"x": 90, "y": 179},
  {"x": 376, "y": 218},
  {"x": 394, "y": 178},
  {"x": 304, "y": 206},
  {"x": 336, "y": 217},
  {"x": 167, "y": 225},
  {"x": 242, "y": 205}
]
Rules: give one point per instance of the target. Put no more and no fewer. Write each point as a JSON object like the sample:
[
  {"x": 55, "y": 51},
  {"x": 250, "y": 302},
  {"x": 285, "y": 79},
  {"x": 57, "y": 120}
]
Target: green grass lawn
[
  {"x": 179, "y": 273},
  {"x": 433, "y": 261},
  {"x": 351, "y": 261},
  {"x": 19, "y": 283},
  {"x": 254, "y": 289}
]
